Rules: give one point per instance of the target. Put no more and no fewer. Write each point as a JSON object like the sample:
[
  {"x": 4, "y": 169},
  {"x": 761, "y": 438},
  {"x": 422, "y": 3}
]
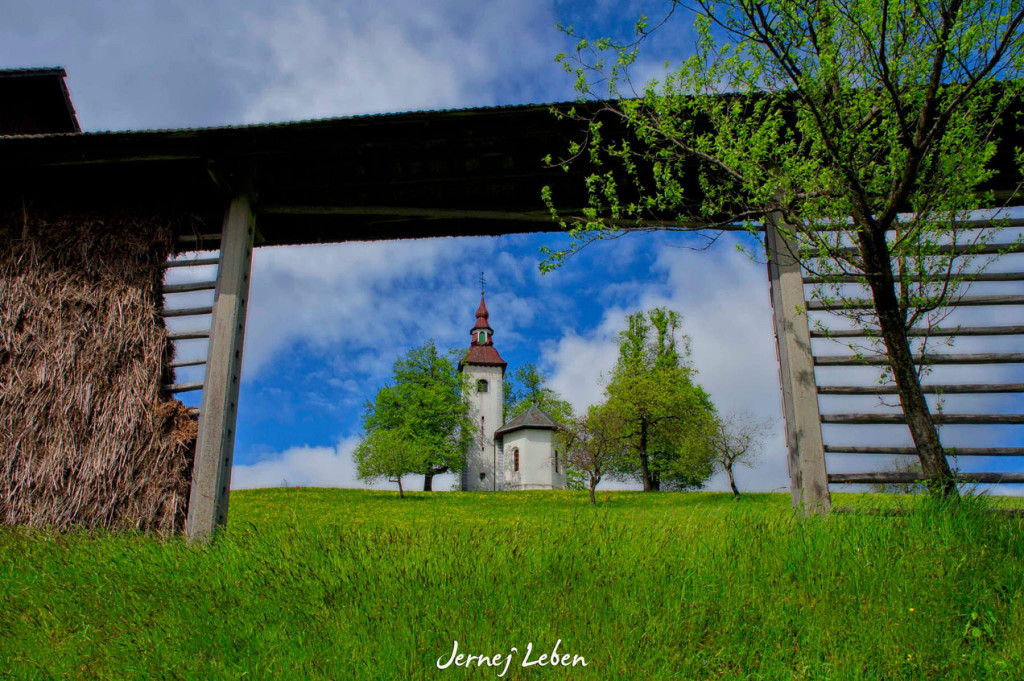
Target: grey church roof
[{"x": 531, "y": 418}]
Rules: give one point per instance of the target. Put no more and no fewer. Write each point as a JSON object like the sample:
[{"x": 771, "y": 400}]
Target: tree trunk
[
  {"x": 593, "y": 484},
  {"x": 892, "y": 324},
  {"x": 732, "y": 482},
  {"x": 645, "y": 472},
  {"x": 401, "y": 492},
  {"x": 428, "y": 482}
]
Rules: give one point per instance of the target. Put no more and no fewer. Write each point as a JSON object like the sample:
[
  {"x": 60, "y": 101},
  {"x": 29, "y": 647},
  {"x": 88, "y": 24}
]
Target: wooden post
[
  {"x": 807, "y": 474},
  {"x": 211, "y": 476}
]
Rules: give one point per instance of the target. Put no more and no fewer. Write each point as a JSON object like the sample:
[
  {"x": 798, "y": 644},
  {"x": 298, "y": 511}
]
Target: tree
[
  {"x": 865, "y": 132},
  {"x": 425, "y": 400},
  {"x": 667, "y": 421},
  {"x": 592, "y": 443},
  {"x": 738, "y": 440},
  {"x": 528, "y": 388},
  {"x": 389, "y": 454}
]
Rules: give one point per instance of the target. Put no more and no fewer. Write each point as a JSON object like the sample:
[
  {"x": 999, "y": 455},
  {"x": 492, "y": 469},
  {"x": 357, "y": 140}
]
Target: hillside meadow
[{"x": 354, "y": 584}]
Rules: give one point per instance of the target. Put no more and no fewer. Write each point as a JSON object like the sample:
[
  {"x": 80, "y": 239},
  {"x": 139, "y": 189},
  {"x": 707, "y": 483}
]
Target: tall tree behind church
[
  {"x": 425, "y": 400},
  {"x": 528, "y": 388},
  {"x": 668, "y": 421}
]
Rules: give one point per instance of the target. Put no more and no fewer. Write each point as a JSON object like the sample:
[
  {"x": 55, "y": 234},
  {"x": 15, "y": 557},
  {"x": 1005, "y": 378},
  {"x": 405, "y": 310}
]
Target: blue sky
[{"x": 327, "y": 322}]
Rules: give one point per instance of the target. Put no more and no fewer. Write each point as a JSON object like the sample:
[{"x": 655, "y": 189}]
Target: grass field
[{"x": 347, "y": 584}]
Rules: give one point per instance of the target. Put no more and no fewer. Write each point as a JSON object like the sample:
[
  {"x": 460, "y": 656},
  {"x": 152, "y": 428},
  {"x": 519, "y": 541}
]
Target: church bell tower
[{"x": 484, "y": 371}]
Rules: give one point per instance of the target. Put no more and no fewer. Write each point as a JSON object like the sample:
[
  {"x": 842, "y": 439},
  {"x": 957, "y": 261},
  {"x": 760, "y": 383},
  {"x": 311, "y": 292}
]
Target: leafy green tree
[
  {"x": 593, "y": 443},
  {"x": 738, "y": 439},
  {"x": 667, "y": 422},
  {"x": 864, "y": 131},
  {"x": 425, "y": 400},
  {"x": 390, "y": 454},
  {"x": 527, "y": 387}
]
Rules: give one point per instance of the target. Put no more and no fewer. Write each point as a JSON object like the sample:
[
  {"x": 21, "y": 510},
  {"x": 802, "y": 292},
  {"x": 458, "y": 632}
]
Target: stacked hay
[{"x": 88, "y": 436}]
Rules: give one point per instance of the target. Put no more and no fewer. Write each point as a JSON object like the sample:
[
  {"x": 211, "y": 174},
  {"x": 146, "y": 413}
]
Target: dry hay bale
[{"x": 88, "y": 436}]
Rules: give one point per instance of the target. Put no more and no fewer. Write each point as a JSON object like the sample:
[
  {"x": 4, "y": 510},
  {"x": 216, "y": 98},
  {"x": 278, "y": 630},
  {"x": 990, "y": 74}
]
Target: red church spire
[{"x": 481, "y": 345}]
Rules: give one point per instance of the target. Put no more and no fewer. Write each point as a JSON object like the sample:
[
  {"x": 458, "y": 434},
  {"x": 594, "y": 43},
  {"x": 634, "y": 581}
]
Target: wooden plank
[
  {"x": 916, "y": 332},
  {"x": 197, "y": 238},
  {"x": 211, "y": 477},
  {"x": 188, "y": 335},
  {"x": 184, "y": 387},
  {"x": 194, "y": 262},
  {"x": 190, "y": 286},
  {"x": 957, "y": 419},
  {"x": 882, "y": 360},
  {"x": 959, "y": 249},
  {"x": 188, "y": 363},
  {"x": 950, "y": 451},
  {"x": 949, "y": 389},
  {"x": 186, "y": 312},
  {"x": 894, "y": 477},
  {"x": 966, "y": 276},
  {"x": 865, "y": 304},
  {"x": 808, "y": 483}
]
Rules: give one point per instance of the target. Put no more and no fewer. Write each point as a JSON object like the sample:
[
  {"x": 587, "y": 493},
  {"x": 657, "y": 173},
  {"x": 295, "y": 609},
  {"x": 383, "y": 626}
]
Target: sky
[{"x": 326, "y": 323}]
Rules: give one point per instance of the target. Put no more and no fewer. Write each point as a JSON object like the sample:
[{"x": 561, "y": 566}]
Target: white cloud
[
  {"x": 335, "y": 59},
  {"x": 302, "y": 466}
]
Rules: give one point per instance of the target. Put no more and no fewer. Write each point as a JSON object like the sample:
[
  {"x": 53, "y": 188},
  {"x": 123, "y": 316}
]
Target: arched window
[
  {"x": 482, "y": 475},
  {"x": 515, "y": 459},
  {"x": 481, "y": 387},
  {"x": 481, "y": 337},
  {"x": 556, "y": 460}
]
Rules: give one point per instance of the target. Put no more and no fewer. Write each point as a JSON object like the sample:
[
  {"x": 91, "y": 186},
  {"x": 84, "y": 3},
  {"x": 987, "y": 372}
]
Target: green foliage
[
  {"x": 390, "y": 454},
  {"x": 667, "y": 421},
  {"x": 350, "y": 584},
  {"x": 425, "y": 401},
  {"x": 527, "y": 387}
]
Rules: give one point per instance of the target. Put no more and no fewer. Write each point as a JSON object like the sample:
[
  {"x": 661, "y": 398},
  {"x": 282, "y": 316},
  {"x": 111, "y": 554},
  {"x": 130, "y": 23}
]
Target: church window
[
  {"x": 481, "y": 337},
  {"x": 481, "y": 387},
  {"x": 515, "y": 459},
  {"x": 482, "y": 475},
  {"x": 556, "y": 460}
]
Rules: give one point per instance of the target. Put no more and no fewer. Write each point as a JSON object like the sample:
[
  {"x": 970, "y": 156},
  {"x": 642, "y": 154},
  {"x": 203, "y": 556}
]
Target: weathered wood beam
[
  {"x": 197, "y": 238},
  {"x": 882, "y": 360},
  {"x": 948, "y": 389},
  {"x": 188, "y": 335},
  {"x": 865, "y": 304},
  {"x": 186, "y": 312},
  {"x": 808, "y": 482},
  {"x": 184, "y": 387},
  {"x": 194, "y": 262},
  {"x": 938, "y": 250},
  {"x": 900, "y": 477},
  {"x": 188, "y": 287},
  {"x": 211, "y": 477},
  {"x": 967, "y": 276},
  {"x": 916, "y": 332},
  {"x": 187, "y": 363},
  {"x": 950, "y": 451},
  {"x": 947, "y": 419}
]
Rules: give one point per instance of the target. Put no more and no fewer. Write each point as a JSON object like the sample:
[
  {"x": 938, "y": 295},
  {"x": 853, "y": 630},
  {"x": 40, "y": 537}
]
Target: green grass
[{"x": 346, "y": 584}]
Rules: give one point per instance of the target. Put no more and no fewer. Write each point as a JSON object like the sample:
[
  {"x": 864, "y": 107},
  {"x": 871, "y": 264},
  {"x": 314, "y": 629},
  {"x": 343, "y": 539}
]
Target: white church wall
[
  {"x": 536, "y": 464},
  {"x": 486, "y": 406}
]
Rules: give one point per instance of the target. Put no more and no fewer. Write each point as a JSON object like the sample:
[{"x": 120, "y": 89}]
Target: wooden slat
[
  {"x": 915, "y": 332},
  {"x": 958, "y": 419},
  {"x": 187, "y": 363},
  {"x": 959, "y": 249},
  {"x": 190, "y": 286},
  {"x": 901, "y": 477},
  {"x": 882, "y": 360},
  {"x": 865, "y": 304},
  {"x": 188, "y": 335},
  {"x": 184, "y": 387},
  {"x": 197, "y": 238},
  {"x": 949, "y": 389},
  {"x": 187, "y": 311},
  {"x": 194, "y": 262},
  {"x": 950, "y": 451},
  {"x": 966, "y": 276}
]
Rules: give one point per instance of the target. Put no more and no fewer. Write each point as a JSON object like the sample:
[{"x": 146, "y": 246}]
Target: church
[{"x": 520, "y": 454}]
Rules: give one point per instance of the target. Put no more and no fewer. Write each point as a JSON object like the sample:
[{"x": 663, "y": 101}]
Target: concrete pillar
[
  {"x": 211, "y": 476},
  {"x": 807, "y": 474}
]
